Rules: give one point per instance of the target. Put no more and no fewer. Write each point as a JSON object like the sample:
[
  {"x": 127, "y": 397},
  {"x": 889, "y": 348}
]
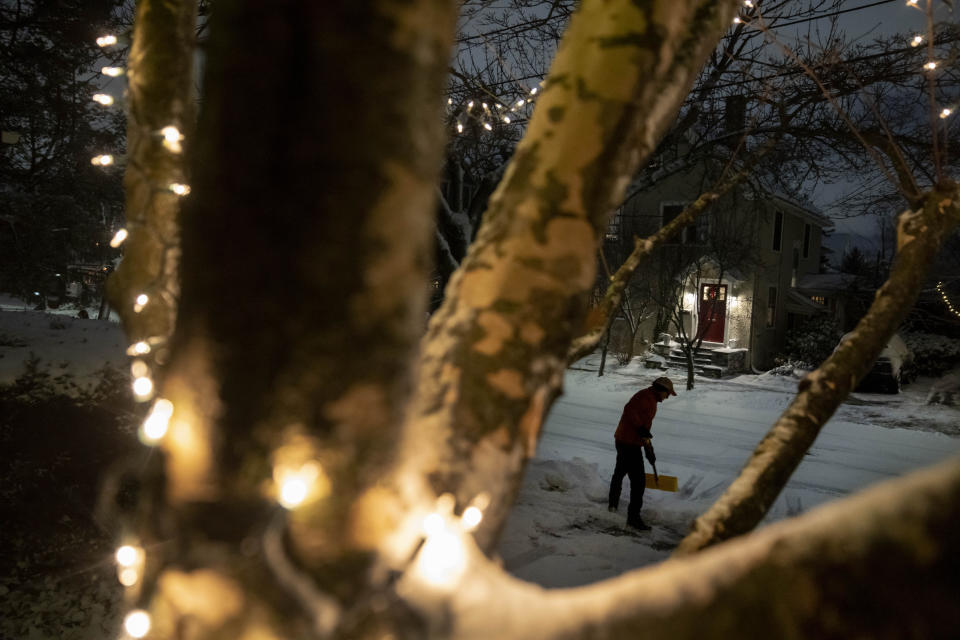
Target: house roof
[
  {"x": 798, "y": 303},
  {"x": 828, "y": 281}
]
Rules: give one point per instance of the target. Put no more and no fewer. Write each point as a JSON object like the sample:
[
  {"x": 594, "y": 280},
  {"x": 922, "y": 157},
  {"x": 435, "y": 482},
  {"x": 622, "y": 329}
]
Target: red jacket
[{"x": 637, "y": 419}]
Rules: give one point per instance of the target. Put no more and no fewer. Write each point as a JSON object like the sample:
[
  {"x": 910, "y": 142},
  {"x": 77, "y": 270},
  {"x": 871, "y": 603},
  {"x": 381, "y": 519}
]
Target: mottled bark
[
  {"x": 747, "y": 500},
  {"x": 160, "y": 94},
  {"x": 882, "y": 564},
  {"x": 306, "y": 242},
  {"x": 495, "y": 352}
]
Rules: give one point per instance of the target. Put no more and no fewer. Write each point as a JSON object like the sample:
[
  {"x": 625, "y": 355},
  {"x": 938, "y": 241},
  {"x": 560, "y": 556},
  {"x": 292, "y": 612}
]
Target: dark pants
[{"x": 630, "y": 464}]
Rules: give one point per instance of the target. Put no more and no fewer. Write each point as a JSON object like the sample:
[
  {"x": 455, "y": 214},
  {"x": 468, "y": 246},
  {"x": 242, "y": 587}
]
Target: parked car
[{"x": 893, "y": 368}]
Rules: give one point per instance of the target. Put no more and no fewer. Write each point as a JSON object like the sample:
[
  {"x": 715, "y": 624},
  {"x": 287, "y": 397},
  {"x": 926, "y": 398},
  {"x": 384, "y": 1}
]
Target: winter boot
[{"x": 638, "y": 524}]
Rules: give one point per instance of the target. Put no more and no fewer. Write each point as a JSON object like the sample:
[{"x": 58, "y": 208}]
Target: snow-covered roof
[
  {"x": 828, "y": 281},
  {"x": 799, "y": 303}
]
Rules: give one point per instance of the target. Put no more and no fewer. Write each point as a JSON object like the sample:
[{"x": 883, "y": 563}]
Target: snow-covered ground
[{"x": 560, "y": 532}]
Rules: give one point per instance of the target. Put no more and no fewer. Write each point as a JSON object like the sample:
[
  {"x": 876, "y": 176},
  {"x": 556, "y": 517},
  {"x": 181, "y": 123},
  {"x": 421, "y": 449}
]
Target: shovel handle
[{"x": 656, "y": 478}]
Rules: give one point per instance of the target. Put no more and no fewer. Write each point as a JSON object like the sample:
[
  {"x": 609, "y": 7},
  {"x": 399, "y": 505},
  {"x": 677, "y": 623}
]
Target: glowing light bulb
[
  {"x": 930, "y": 66},
  {"x": 171, "y": 138},
  {"x": 127, "y": 555},
  {"x": 104, "y": 160},
  {"x": 459, "y": 127},
  {"x": 297, "y": 485},
  {"x": 139, "y": 348},
  {"x": 157, "y": 423},
  {"x": 442, "y": 559},
  {"x": 486, "y": 125},
  {"x": 748, "y": 3},
  {"x": 179, "y": 189},
  {"x": 433, "y": 524},
  {"x": 471, "y": 518},
  {"x": 107, "y": 40},
  {"x": 142, "y": 387},
  {"x": 521, "y": 102},
  {"x": 912, "y": 3},
  {"x": 118, "y": 238},
  {"x": 916, "y": 41},
  {"x": 946, "y": 112},
  {"x": 128, "y": 577},
  {"x": 449, "y": 100},
  {"x": 137, "y": 623},
  {"x": 140, "y": 302},
  {"x": 737, "y": 20},
  {"x": 533, "y": 91},
  {"x": 484, "y": 105},
  {"x": 113, "y": 72},
  {"x": 470, "y": 105},
  {"x": 103, "y": 98},
  {"x": 293, "y": 492},
  {"x": 506, "y": 119}
]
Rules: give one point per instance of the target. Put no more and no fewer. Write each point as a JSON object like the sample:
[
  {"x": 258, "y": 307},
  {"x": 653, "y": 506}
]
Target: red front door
[{"x": 713, "y": 312}]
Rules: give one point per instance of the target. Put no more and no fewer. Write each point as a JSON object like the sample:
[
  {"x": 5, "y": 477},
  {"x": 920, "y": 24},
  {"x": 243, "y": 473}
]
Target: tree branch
[
  {"x": 839, "y": 571},
  {"x": 618, "y": 79}
]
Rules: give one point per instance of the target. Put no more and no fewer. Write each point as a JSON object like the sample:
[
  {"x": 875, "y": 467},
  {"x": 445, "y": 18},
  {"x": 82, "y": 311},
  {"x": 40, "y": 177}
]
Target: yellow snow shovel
[{"x": 664, "y": 483}]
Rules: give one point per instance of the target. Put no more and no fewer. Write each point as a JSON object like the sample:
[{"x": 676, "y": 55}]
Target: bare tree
[{"x": 280, "y": 396}]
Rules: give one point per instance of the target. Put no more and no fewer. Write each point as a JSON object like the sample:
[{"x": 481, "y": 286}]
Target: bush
[
  {"x": 57, "y": 438},
  {"x": 933, "y": 354},
  {"x": 811, "y": 343}
]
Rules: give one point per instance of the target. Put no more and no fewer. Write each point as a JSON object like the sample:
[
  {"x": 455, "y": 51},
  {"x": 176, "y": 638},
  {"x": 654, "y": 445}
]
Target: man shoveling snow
[{"x": 633, "y": 440}]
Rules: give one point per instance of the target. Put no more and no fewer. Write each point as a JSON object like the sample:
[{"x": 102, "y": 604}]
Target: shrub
[
  {"x": 812, "y": 342},
  {"x": 933, "y": 354}
]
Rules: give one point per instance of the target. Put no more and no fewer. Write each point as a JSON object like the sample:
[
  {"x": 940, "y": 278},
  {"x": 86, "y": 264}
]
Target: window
[
  {"x": 819, "y": 300},
  {"x": 771, "y": 306},
  {"x": 687, "y": 235},
  {"x": 613, "y": 228},
  {"x": 777, "y": 230},
  {"x": 806, "y": 241}
]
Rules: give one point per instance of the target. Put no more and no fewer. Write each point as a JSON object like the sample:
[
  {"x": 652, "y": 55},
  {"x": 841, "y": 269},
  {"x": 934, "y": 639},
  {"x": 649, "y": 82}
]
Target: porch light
[
  {"x": 689, "y": 299},
  {"x": 734, "y": 302}
]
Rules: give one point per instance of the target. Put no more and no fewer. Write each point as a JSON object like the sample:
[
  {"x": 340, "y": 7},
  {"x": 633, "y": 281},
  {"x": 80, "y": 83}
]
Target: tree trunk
[
  {"x": 159, "y": 95},
  {"x": 304, "y": 254},
  {"x": 603, "y": 353}
]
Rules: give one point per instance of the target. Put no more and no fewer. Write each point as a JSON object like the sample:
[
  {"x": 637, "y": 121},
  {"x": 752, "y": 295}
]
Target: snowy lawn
[{"x": 560, "y": 532}]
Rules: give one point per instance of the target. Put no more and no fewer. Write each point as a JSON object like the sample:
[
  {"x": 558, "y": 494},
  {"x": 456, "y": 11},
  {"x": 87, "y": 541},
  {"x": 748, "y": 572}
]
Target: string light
[
  {"x": 912, "y": 3},
  {"x": 103, "y": 98},
  {"x": 107, "y": 40},
  {"x": 737, "y": 20},
  {"x": 297, "y": 485},
  {"x": 171, "y": 138},
  {"x": 113, "y": 72},
  {"x": 103, "y": 160},
  {"x": 946, "y": 112},
  {"x": 946, "y": 300},
  {"x": 129, "y": 564},
  {"x": 930, "y": 66},
  {"x": 155, "y": 426},
  {"x": 442, "y": 558},
  {"x": 179, "y": 189},
  {"x": 142, "y": 388},
  {"x": 140, "y": 302},
  {"x": 118, "y": 238},
  {"x": 486, "y": 125},
  {"x": 916, "y": 41},
  {"x": 459, "y": 127},
  {"x": 137, "y": 623},
  {"x": 471, "y": 518}
]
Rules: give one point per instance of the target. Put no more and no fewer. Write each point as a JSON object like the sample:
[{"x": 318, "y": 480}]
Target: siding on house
[{"x": 748, "y": 294}]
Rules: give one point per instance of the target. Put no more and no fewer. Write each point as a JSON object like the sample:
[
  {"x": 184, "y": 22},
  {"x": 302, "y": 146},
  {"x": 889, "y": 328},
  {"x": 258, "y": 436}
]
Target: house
[{"x": 734, "y": 278}]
